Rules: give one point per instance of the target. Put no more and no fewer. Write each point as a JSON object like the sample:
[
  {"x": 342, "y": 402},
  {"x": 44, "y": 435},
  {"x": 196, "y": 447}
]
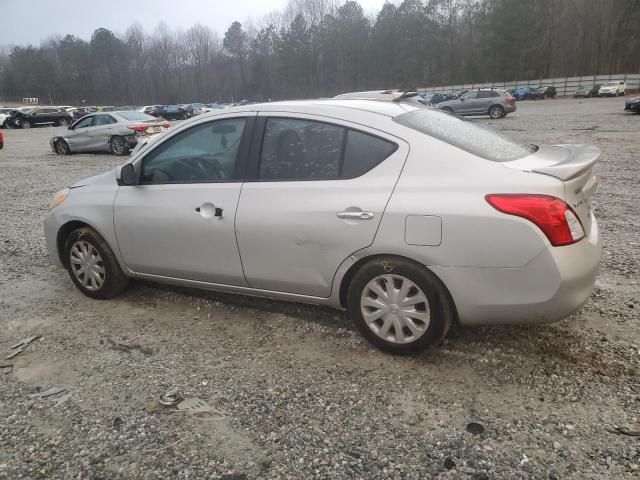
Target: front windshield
[
  {"x": 611, "y": 84},
  {"x": 465, "y": 134},
  {"x": 29, "y": 110}
]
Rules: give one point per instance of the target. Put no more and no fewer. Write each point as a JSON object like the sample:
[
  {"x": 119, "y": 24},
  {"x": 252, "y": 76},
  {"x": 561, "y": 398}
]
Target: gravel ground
[{"x": 297, "y": 393}]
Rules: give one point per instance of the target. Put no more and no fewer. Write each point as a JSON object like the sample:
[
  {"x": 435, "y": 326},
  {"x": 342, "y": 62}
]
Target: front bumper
[
  {"x": 51, "y": 229},
  {"x": 551, "y": 287},
  {"x": 632, "y": 107}
]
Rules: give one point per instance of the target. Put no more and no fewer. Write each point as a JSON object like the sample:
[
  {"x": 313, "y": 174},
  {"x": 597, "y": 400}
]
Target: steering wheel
[{"x": 207, "y": 167}]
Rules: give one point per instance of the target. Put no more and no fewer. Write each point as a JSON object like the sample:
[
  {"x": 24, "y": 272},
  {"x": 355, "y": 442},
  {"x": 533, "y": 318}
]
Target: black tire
[
  {"x": 63, "y": 122},
  {"x": 25, "y": 124},
  {"x": 62, "y": 147},
  {"x": 119, "y": 146},
  {"x": 496, "y": 112},
  {"x": 115, "y": 281},
  {"x": 442, "y": 311}
]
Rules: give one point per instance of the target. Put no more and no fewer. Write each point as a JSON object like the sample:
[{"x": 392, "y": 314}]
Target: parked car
[
  {"x": 537, "y": 93},
  {"x": 457, "y": 94},
  {"x": 408, "y": 97},
  {"x": 210, "y": 107},
  {"x": 168, "y": 112},
  {"x": 107, "y": 108},
  {"x": 632, "y": 105},
  {"x": 115, "y": 132},
  {"x": 548, "y": 91},
  {"x": 5, "y": 116},
  {"x": 612, "y": 89},
  {"x": 495, "y": 103},
  {"x": 77, "y": 113},
  {"x": 511, "y": 239},
  {"x": 521, "y": 93},
  {"x": 34, "y": 116},
  {"x": 586, "y": 92},
  {"x": 435, "y": 98}
]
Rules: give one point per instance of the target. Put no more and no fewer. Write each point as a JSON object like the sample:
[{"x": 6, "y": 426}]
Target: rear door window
[{"x": 302, "y": 150}]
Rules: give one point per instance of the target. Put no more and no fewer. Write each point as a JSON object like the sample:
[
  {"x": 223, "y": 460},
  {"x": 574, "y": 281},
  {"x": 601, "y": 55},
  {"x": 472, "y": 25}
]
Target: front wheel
[
  {"x": 118, "y": 146},
  {"x": 25, "y": 124},
  {"x": 63, "y": 122},
  {"x": 496, "y": 112},
  {"x": 92, "y": 266},
  {"x": 62, "y": 147},
  {"x": 399, "y": 306}
]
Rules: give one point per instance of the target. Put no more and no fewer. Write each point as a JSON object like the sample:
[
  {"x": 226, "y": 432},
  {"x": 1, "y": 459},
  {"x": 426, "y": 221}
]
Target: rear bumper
[
  {"x": 510, "y": 108},
  {"x": 549, "y": 288}
]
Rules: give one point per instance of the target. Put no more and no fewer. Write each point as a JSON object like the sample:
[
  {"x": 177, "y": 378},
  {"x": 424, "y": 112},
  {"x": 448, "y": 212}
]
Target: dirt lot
[{"x": 300, "y": 395}]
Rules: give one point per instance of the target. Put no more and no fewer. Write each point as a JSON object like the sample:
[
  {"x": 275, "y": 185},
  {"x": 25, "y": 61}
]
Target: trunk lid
[{"x": 573, "y": 165}]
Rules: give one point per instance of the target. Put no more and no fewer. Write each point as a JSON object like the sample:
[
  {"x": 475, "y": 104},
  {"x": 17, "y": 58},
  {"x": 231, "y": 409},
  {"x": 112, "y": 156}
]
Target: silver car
[
  {"x": 495, "y": 103},
  {"x": 115, "y": 132},
  {"x": 410, "y": 218}
]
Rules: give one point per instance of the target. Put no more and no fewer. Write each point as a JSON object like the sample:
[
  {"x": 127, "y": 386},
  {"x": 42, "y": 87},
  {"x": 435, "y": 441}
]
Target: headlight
[{"x": 59, "y": 197}]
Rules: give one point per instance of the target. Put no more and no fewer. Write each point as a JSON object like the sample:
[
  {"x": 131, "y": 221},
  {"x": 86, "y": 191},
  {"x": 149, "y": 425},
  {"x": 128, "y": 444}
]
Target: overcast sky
[{"x": 30, "y": 21}]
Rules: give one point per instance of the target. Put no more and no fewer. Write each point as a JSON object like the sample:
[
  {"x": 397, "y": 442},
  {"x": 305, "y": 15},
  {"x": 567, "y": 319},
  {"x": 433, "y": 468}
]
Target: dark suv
[
  {"x": 549, "y": 92},
  {"x": 30, "y": 117}
]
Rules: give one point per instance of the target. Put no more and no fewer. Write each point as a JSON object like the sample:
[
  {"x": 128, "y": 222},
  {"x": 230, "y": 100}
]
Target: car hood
[
  {"x": 106, "y": 178},
  {"x": 633, "y": 100}
]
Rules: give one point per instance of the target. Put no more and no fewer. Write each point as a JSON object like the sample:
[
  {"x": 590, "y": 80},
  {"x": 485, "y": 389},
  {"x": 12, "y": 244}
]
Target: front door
[
  {"x": 79, "y": 138},
  {"x": 179, "y": 221},
  {"x": 318, "y": 194}
]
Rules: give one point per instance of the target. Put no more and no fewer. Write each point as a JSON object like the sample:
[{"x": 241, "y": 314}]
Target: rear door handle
[{"x": 355, "y": 215}]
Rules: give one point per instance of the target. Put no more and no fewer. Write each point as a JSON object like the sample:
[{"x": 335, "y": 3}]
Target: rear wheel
[
  {"x": 496, "y": 111},
  {"x": 399, "y": 306},
  {"x": 118, "y": 146},
  {"x": 62, "y": 147},
  {"x": 92, "y": 266}
]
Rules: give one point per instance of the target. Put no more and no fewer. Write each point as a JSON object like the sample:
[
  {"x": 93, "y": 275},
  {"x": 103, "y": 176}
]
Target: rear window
[
  {"x": 134, "y": 115},
  {"x": 466, "y": 135}
]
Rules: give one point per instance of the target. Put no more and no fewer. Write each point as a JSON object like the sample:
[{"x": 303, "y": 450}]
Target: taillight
[
  {"x": 138, "y": 127},
  {"x": 510, "y": 99},
  {"x": 553, "y": 216},
  {"x": 166, "y": 125}
]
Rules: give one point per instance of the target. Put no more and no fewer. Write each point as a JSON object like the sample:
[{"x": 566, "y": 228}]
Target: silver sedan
[
  {"x": 115, "y": 132},
  {"x": 410, "y": 218}
]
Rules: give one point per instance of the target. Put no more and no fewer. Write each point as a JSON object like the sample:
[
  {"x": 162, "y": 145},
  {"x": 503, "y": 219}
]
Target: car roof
[{"x": 336, "y": 106}]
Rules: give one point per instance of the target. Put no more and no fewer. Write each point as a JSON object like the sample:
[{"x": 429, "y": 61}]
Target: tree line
[{"x": 319, "y": 48}]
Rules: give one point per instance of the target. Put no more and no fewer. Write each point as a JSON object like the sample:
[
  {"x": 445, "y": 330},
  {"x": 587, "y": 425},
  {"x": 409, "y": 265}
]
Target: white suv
[{"x": 612, "y": 89}]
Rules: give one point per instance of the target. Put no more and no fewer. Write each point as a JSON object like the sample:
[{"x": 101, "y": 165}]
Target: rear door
[
  {"x": 485, "y": 100},
  {"x": 316, "y": 192},
  {"x": 101, "y": 131}
]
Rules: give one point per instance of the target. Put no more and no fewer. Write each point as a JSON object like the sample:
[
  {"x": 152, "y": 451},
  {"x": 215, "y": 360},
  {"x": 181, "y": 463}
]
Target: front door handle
[
  {"x": 355, "y": 215},
  {"x": 209, "y": 210}
]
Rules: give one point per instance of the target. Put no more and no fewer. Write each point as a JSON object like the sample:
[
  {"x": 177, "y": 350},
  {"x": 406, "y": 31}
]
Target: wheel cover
[
  {"x": 495, "y": 112},
  {"x": 87, "y": 265},
  {"x": 118, "y": 145},
  {"x": 62, "y": 146},
  {"x": 395, "y": 309}
]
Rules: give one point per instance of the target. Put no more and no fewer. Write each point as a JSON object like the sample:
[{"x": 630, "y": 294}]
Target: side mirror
[
  {"x": 462, "y": 99},
  {"x": 70, "y": 127},
  {"x": 127, "y": 175}
]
